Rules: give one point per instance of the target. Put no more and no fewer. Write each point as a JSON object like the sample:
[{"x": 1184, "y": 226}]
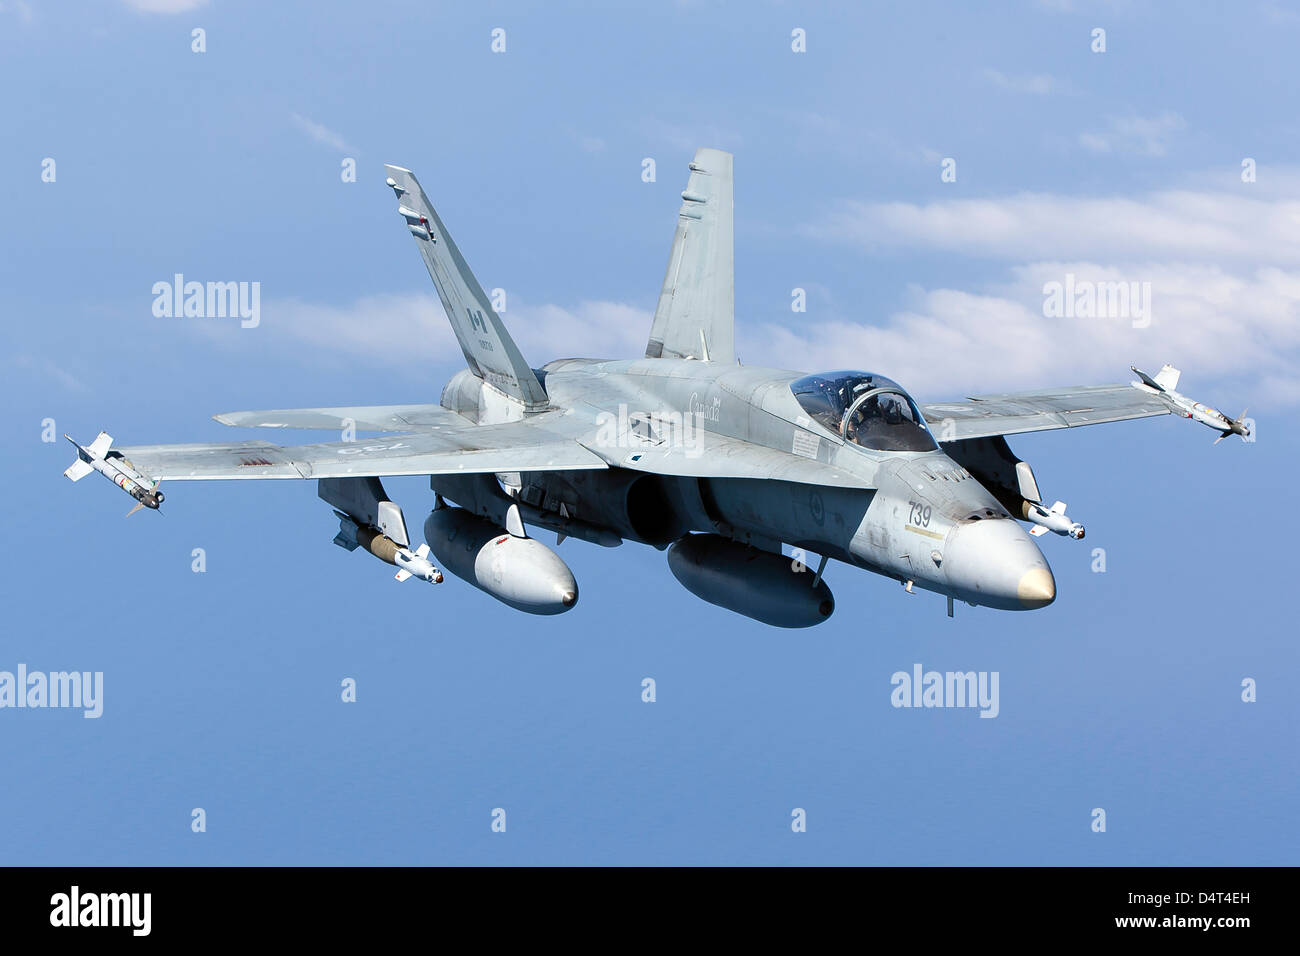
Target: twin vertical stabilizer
[{"x": 491, "y": 353}]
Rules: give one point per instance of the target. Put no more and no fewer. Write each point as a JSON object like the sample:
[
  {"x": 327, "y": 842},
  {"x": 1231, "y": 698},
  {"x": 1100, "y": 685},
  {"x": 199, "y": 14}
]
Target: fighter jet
[{"x": 683, "y": 449}]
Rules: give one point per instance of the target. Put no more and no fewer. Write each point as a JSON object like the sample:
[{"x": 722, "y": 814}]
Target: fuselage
[{"x": 913, "y": 515}]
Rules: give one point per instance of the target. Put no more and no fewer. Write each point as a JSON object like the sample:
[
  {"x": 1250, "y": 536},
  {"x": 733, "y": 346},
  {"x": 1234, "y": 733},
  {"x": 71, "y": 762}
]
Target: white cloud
[
  {"x": 19, "y": 8},
  {"x": 1144, "y": 136},
  {"x": 409, "y": 330},
  {"x": 1223, "y": 266},
  {"x": 1197, "y": 224},
  {"x": 164, "y": 6},
  {"x": 1112, "y": 7},
  {"x": 949, "y": 342},
  {"x": 321, "y": 134},
  {"x": 1039, "y": 84}
]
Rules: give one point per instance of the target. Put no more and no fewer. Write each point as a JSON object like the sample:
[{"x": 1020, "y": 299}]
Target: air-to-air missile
[
  {"x": 97, "y": 457},
  {"x": 1052, "y": 519},
  {"x": 1164, "y": 383},
  {"x": 410, "y": 564}
]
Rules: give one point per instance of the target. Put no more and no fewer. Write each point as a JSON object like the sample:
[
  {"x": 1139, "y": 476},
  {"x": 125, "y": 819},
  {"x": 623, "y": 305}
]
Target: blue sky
[{"x": 222, "y": 689}]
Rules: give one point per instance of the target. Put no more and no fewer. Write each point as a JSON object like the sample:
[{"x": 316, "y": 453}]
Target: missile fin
[
  {"x": 1167, "y": 378},
  {"x": 99, "y": 447},
  {"x": 1146, "y": 379}
]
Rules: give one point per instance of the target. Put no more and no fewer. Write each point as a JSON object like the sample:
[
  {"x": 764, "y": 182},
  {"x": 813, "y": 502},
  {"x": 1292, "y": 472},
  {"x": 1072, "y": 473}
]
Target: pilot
[
  {"x": 859, "y": 422},
  {"x": 893, "y": 410}
]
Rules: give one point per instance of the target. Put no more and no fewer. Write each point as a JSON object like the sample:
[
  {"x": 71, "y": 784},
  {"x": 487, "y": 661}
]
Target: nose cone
[
  {"x": 1036, "y": 588},
  {"x": 995, "y": 563}
]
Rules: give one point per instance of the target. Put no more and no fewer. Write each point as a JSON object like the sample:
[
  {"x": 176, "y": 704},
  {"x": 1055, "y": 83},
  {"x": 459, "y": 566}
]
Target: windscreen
[{"x": 868, "y": 410}]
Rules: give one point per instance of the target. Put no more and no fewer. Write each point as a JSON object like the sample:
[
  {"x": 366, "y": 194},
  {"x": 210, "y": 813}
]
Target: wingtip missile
[
  {"x": 1165, "y": 384},
  {"x": 117, "y": 469},
  {"x": 1213, "y": 418}
]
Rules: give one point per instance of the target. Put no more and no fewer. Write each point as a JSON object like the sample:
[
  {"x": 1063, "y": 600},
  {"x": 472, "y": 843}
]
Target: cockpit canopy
[{"x": 865, "y": 409}]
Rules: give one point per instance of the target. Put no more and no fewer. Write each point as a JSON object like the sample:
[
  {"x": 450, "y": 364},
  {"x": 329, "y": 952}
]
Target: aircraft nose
[{"x": 998, "y": 565}]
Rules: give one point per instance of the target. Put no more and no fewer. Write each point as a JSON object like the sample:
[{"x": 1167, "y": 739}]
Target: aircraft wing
[
  {"x": 985, "y": 416},
  {"x": 465, "y": 448},
  {"x": 365, "y": 418}
]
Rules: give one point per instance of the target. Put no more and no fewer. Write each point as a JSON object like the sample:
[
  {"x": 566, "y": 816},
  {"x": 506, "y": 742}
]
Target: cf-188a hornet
[{"x": 683, "y": 449}]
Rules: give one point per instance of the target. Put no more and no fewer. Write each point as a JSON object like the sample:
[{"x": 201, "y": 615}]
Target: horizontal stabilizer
[{"x": 78, "y": 470}]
